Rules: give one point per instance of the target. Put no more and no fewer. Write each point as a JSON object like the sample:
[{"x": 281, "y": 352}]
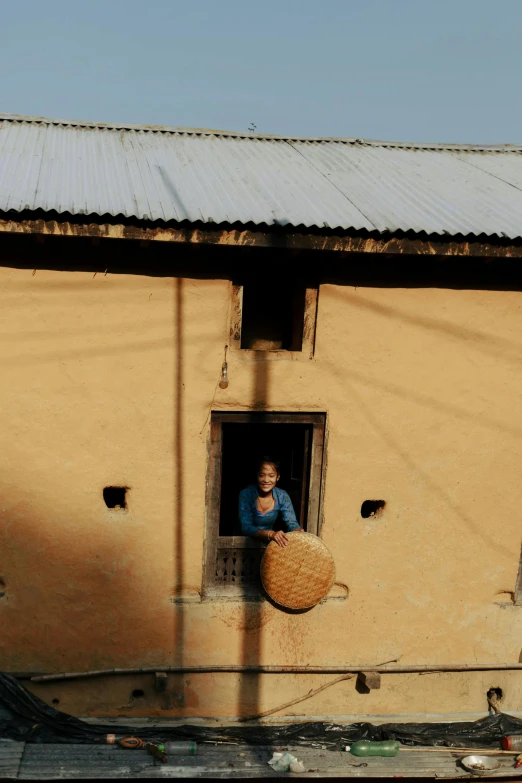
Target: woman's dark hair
[{"x": 267, "y": 460}]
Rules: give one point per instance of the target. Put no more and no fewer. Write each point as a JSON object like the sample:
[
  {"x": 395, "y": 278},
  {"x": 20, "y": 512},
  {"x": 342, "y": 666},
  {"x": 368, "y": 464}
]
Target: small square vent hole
[{"x": 115, "y": 498}]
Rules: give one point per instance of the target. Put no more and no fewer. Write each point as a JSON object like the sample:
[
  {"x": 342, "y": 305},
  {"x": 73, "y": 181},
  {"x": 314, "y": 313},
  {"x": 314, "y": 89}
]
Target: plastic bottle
[
  {"x": 369, "y": 748},
  {"x": 156, "y": 751},
  {"x": 512, "y": 742},
  {"x": 179, "y": 748}
]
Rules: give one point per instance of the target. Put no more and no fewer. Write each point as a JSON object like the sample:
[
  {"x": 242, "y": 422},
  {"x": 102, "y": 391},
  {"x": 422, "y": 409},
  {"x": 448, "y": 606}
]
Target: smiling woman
[{"x": 264, "y": 504}]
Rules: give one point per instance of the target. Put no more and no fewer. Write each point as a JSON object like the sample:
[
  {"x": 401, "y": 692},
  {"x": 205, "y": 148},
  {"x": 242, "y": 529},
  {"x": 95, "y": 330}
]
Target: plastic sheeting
[{"x": 26, "y": 718}]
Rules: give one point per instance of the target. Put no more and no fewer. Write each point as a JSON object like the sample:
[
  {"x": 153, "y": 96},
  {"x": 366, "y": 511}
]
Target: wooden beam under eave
[{"x": 396, "y": 246}]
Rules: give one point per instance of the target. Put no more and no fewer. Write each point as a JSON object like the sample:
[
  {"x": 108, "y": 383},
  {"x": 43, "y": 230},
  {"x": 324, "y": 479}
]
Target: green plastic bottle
[
  {"x": 369, "y": 748},
  {"x": 179, "y": 747}
]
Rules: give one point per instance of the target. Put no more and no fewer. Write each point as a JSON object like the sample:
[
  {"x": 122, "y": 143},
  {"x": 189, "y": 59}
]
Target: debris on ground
[
  {"x": 284, "y": 762},
  {"x": 26, "y": 718}
]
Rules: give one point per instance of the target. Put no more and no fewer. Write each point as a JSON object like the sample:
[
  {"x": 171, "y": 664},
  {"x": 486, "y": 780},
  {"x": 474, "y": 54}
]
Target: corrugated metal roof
[{"x": 221, "y": 177}]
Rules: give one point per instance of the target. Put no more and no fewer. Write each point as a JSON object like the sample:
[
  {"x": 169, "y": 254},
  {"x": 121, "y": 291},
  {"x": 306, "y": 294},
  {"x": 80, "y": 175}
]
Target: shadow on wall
[
  {"x": 177, "y": 681},
  {"x": 75, "y": 589},
  {"x": 90, "y": 601},
  {"x": 249, "y": 691},
  {"x": 74, "y": 595},
  {"x": 249, "y": 694}
]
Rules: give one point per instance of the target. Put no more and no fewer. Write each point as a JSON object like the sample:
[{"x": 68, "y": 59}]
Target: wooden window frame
[
  {"x": 309, "y": 327},
  {"x": 518, "y": 586},
  {"x": 211, "y": 588}
]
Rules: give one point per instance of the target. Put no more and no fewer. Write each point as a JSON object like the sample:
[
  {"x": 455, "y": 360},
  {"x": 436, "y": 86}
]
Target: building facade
[{"x": 381, "y": 364}]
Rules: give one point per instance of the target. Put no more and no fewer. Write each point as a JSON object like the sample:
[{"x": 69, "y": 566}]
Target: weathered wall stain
[{"x": 248, "y": 617}]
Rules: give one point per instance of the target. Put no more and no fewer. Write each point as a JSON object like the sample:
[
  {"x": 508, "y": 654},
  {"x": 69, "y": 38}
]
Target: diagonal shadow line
[
  {"x": 177, "y": 201},
  {"x": 392, "y": 443},
  {"x": 481, "y": 341},
  {"x": 431, "y": 402}
]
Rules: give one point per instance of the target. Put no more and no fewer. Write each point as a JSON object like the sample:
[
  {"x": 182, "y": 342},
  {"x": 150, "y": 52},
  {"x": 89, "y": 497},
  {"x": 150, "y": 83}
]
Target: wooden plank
[
  {"x": 316, "y": 471},
  {"x": 305, "y": 480},
  {"x": 277, "y": 238},
  {"x": 310, "y": 320},
  {"x": 518, "y": 587},
  {"x": 212, "y": 504},
  {"x": 239, "y": 542},
  {"x": 236, "y": 310},
  {"x": 271, "y": 417},
  {"x": 234, "y": 592},
  {"x": 11, "y": 754}
]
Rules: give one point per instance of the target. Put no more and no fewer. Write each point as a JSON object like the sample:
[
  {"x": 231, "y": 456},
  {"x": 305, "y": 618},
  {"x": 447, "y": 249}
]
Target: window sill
[
  {"x": 272, "y": 355},
  {"x": 248, "y": 594}
]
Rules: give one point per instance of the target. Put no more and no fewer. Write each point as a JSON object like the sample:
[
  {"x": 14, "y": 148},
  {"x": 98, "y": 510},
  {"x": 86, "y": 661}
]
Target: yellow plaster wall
[{"x": 109, "y": 380}]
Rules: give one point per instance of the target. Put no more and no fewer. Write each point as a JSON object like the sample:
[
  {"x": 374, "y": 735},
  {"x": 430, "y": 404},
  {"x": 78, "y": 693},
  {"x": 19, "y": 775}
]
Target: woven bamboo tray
[{"x": 300, "y": 574}]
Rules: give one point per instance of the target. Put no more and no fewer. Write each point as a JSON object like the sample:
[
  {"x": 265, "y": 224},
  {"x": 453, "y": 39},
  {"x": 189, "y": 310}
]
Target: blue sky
[{"x": 410, "y": 70}]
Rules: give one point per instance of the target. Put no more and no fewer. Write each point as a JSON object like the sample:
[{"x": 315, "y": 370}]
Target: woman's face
[{"x": 267, "y": 477}]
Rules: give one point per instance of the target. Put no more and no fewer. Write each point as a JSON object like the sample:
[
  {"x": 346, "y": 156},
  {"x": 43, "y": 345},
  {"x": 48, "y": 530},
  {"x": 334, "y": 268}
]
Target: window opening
[
  {"x": 237, "y": 441},
  {"x": 272, "y": 315}
]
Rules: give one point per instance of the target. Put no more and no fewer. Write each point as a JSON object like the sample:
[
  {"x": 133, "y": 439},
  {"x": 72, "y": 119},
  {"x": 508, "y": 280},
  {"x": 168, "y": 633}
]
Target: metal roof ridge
[{"x": 20, "y": 118}]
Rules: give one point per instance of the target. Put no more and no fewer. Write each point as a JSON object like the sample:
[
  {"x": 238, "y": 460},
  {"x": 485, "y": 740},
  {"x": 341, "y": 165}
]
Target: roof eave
[{"x": 268, "y": 237}]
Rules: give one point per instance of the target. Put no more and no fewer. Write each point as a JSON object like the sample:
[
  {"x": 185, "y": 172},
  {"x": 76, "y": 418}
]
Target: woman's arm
[
  {"x": 272, "y": 535},
  {"x": 248, "y": 528},
  {"x": 264, "y": 535},
  {"x": 287, "y": 512}
]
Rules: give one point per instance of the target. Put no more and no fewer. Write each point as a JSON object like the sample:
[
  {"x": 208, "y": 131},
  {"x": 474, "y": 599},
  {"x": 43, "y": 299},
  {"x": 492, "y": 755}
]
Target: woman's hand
[{"x": 279, "y": 537}]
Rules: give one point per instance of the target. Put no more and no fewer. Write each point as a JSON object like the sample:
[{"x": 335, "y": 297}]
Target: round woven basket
[{"x": 300, "y": 574}]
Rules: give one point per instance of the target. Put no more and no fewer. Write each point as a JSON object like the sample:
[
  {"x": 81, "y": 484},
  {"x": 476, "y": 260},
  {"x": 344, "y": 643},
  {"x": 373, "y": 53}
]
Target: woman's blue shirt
[{"x": 253, "y": 520}]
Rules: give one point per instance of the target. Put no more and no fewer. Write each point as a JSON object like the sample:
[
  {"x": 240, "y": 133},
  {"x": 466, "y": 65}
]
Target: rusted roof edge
[{"x": 241, "y": 237}]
